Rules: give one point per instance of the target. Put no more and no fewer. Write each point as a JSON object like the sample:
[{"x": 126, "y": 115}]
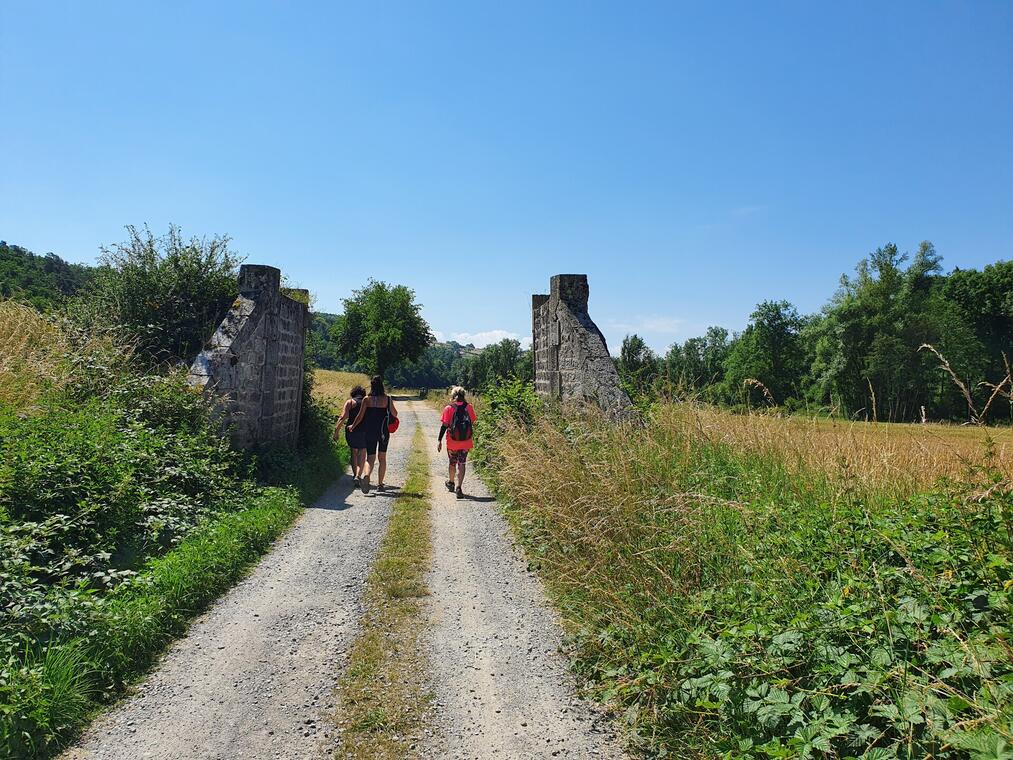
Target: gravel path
[
  {"x": 501, "y": 684},
  {"x": 254, "y": 677}
]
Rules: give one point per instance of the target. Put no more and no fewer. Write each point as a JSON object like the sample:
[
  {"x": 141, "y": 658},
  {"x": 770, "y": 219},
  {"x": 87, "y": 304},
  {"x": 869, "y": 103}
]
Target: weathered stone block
[
  {"x": 571, "y": 358},
  {"x": 253, "y": 364}
]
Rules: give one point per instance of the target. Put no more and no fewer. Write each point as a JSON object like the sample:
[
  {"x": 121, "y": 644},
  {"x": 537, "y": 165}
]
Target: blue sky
[{"x": 691, "y": 158}]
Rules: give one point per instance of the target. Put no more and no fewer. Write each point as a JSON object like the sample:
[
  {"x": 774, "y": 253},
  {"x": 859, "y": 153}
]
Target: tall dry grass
[
  {"x": 31, "y": 354},
  {"x": 709, "y": 564},
  {"x": 899, "y": 458},
  {"x": 40, "y": 354},
  {"x": 333, "y": 387}
]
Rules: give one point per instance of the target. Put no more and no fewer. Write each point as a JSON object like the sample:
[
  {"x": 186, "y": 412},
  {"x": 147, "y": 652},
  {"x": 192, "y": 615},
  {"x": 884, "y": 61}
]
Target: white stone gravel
[
  {"x": 501, "y": 683},
  {"x": 255, "y": 676}
]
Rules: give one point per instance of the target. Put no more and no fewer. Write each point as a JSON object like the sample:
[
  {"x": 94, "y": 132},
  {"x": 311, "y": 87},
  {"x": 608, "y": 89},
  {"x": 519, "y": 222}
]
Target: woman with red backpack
[{"x": 457, "y": 423}]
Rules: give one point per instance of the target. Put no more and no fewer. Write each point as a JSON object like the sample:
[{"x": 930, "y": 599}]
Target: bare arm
[
  {"x": 344, "y": 412},
  {"x": 390, "y": 405},
  {"x": 342, "y": 418}
]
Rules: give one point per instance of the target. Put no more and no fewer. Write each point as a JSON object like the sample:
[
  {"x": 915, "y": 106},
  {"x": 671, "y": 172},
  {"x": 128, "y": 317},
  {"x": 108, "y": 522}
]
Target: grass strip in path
[{"x": 383, "y": 696}]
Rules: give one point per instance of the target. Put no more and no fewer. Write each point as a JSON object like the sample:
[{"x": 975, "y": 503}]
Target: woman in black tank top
[
  {"x": 372, "y": 420},
  {"x": 356, "y": 440}
]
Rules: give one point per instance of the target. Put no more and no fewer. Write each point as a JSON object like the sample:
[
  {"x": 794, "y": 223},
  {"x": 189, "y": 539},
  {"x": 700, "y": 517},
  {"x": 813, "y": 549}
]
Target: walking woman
[
  {"x": 374, "y": 416},
  {"x": 356, "y": 440}
]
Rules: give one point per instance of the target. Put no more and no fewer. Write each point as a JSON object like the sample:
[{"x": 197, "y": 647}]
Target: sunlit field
[
  {"x": 764, "y": 586},
  {"x": 900, "y": 458},
  {"x": 333, "y": 387}
]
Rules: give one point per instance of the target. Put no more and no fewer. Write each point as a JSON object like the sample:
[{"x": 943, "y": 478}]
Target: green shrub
[
  {"x": 734, "y": 604},
  {"x": 47, "y": 691},
  {"x": 165, "y": 294}
]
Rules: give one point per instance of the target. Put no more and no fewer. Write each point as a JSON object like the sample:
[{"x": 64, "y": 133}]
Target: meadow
[{"x": 751, "y": 586}]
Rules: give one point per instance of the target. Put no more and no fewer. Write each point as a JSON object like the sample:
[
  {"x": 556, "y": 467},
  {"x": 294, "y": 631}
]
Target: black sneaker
[
  {"x": 381, "y": 488},
  {"x": 460, "y": 493},
  {"x": 357, "y": 482},
  {"x": 365, "y": 486},
  {"x": 450, "y": 486}
]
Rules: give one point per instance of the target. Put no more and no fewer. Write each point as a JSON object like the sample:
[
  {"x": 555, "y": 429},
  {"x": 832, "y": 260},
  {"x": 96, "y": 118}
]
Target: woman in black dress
[
  {"x": 356, "y": 440},
  {"x": 375, "y": 414}
]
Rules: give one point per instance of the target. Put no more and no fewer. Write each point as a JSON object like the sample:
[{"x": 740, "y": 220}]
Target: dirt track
[
  {"x": 501, "y": 685},
  {"x": 254, "y": 677}
]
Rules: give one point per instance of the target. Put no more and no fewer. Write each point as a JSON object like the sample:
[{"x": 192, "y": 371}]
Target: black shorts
[
  {"x": 355, "y": 439},
  {"x": 380, "y": 443}
]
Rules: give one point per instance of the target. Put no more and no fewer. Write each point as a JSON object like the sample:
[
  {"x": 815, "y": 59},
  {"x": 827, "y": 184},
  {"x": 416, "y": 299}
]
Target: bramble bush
[
  {"x": 730, "y": 602},
  {"x": 123, "y": 511}
]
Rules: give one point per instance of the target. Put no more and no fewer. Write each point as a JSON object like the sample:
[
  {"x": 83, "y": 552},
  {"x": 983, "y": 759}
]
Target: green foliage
[
  {"x": 167, "y": 294},
  {"x": 43, "y": 281},
  {"x": 638, "y": 367},
  {"x": 438, "y": 367},
  {"x": 861, "y": 357},
  {"x": 770, "y": 351},
  {"x": 697, "y": 364},
  {"x": 381, "y": 327},
  {"x": 123, "y": 511},
  {"x": 320, "y": 349},
  {"x": 507, "y": 401},
  {"x": 866, "y": 346},
  {"x": 494, "y": 364},
  {"x": 732, "y": 606},
  {"x": 48, "y": 689}
]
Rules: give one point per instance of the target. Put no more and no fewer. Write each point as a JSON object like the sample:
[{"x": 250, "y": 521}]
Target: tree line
[
  {"x": 899, "y": 341},
  {"x": 382, "y": 331}
]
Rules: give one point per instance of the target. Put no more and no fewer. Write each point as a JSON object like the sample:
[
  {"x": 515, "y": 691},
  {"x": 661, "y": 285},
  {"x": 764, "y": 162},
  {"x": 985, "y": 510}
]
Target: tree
[
  {"x": 381, "y": 327},
  {"x": 699, "y": 362},
  {"x": 168, "y": 293},
  {"x": 769, "y": 351},
  {"x": 496, "y": 362},
  {"x": 44, "y": 281},
  {"x": 637, "y": 365},
  {"x": 866, "y": 357}
]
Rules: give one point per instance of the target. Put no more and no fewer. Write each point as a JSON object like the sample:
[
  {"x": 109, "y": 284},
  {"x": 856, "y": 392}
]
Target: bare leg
[
  {"x": 450, "y": 473},
  {"x": 367, "y": 469},
  {"x": 382, "y": 456},
  {"x": 460, "y": 474}
]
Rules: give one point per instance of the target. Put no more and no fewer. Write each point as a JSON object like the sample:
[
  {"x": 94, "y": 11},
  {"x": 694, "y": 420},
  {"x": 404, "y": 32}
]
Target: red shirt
[{"x": 448, "y": 420}]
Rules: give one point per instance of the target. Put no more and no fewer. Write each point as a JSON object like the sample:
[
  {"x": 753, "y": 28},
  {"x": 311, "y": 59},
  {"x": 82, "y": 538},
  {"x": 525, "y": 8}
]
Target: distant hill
[{"x": 44, "y": 281}]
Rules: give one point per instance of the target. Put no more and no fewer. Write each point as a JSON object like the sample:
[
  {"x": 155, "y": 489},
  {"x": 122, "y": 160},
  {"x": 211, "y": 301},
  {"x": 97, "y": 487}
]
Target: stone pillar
[
  {"x": 253, "y": 365},
  {"x": 571, "y": 358}
]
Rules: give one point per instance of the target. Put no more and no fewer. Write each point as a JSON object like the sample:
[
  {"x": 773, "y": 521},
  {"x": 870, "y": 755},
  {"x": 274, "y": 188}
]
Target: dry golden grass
[
  {"x": 900, "y": 458},
  {"x": 33, "y": 355},
  {"x": 644, "y": 534},
  {"x": 333, "y": 387}
]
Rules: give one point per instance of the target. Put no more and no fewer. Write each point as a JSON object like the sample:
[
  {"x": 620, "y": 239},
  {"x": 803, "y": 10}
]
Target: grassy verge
[
  {"x": 49, "y": 695},
  {"x": 70, "y": 641},
  {"x": 734, "y": 601},
  {"x": 383, "y": 695}
]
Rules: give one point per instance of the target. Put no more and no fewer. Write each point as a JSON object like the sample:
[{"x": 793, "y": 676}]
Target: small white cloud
[{"x": 487, "y": 338}]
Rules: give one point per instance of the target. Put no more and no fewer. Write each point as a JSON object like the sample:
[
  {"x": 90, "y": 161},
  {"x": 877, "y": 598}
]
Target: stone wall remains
[
  {"x": 254, "y": 361},
  {"x": 572, "y": 360}
]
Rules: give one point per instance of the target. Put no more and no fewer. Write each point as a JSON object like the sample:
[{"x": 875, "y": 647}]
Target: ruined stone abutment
[
  {"x": 572, "y": 360},
  {"x": 254, "y": 362}
]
